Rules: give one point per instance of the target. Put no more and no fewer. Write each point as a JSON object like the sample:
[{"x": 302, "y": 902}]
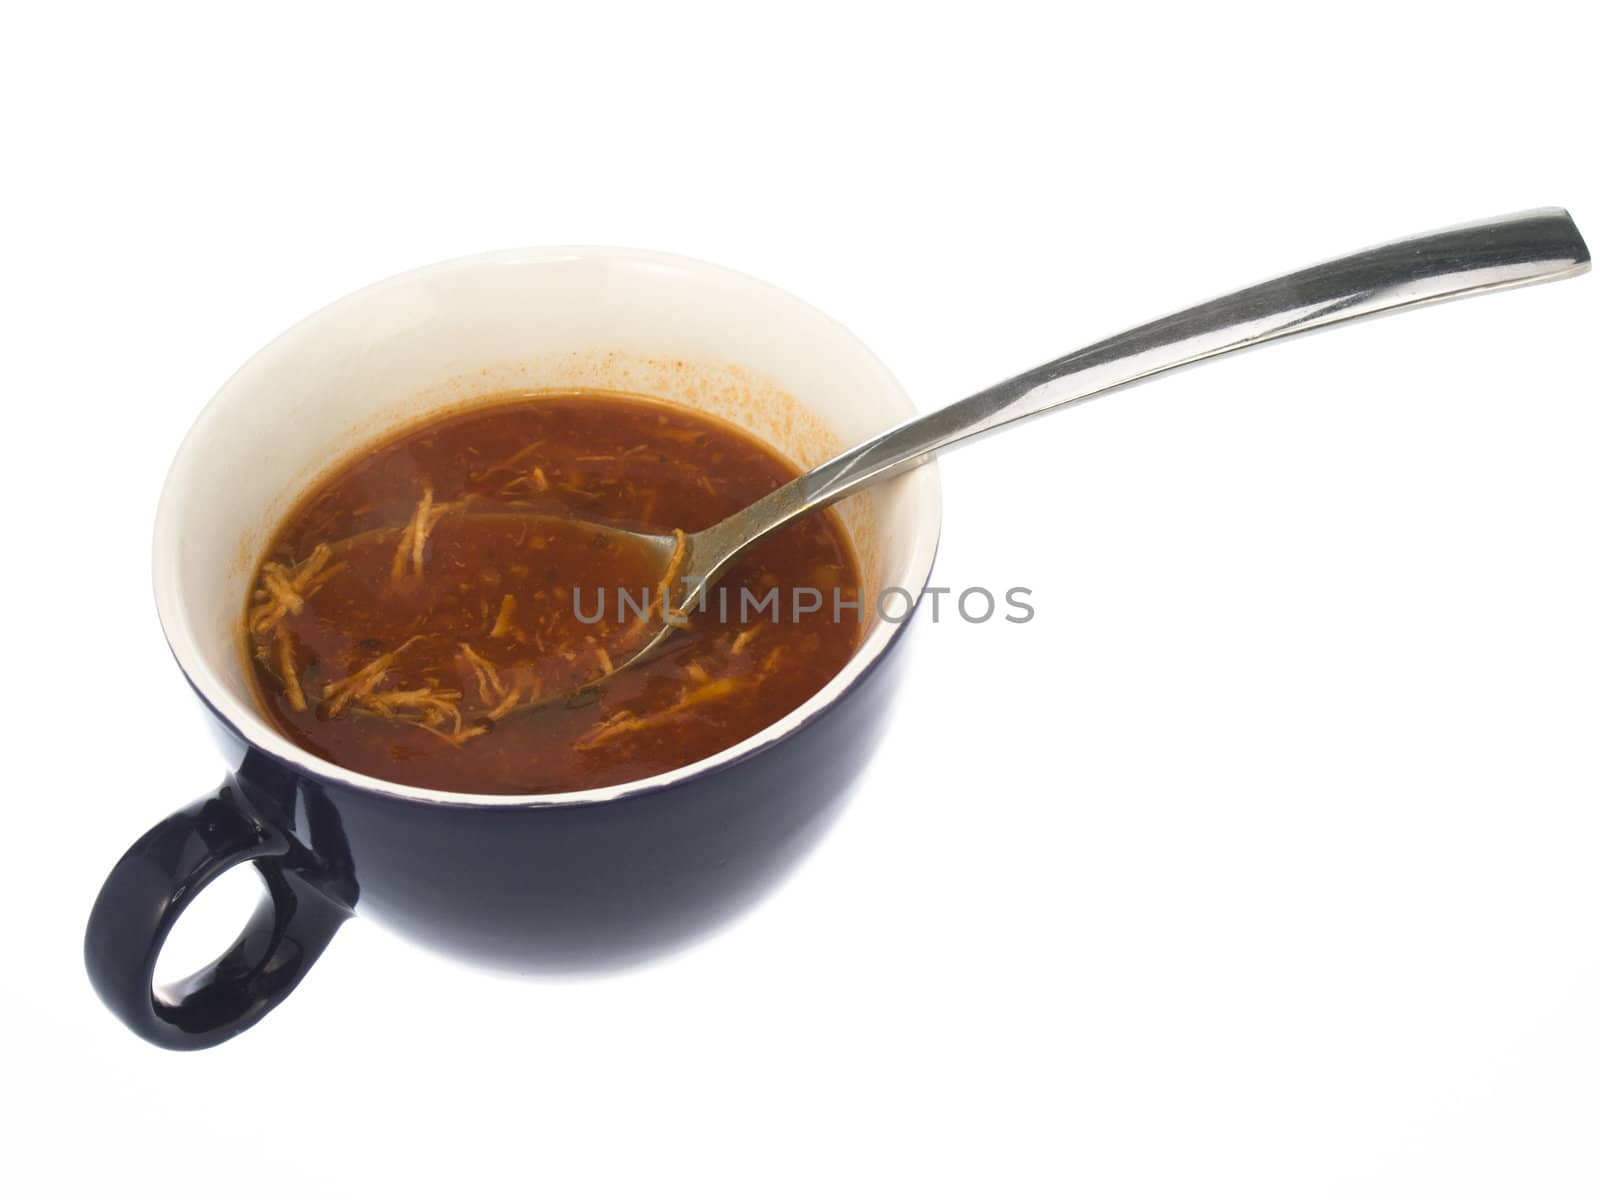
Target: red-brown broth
[{"x": 420, "y": 664}]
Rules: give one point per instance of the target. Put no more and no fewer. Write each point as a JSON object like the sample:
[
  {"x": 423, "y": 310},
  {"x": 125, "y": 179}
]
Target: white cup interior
[{"x": 455, "y": 333}]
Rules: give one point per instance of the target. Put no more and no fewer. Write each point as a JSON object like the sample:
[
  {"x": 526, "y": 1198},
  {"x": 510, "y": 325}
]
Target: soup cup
[{"x": 561, "y": 881}]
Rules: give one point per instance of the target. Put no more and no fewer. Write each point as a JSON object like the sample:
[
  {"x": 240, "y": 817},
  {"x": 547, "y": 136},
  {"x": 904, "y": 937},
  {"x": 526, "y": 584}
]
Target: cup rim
[{"x": 251, "y": 726}]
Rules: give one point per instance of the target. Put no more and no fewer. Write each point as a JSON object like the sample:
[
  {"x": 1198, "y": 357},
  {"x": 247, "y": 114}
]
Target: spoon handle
[{"x": 1465, "y": 260}]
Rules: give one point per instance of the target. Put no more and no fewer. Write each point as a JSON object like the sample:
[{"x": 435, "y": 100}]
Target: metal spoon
[{"x": 1465, "y": 260}]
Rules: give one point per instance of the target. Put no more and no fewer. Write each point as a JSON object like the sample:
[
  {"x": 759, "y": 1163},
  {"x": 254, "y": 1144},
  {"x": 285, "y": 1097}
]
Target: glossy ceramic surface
[{"x": 552, "y": 882}]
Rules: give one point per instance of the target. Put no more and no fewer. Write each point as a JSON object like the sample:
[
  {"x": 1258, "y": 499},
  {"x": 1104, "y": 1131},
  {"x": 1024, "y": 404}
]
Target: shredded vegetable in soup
[{"x": 430, "y": 614}]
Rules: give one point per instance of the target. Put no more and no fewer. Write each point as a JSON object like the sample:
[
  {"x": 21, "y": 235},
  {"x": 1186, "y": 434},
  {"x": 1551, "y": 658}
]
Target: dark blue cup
[{"x": 557, "y": 881}]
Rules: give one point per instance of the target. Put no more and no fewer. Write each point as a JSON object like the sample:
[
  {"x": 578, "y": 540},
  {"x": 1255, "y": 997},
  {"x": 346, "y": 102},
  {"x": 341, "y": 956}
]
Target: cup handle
[{"x": 154, "y": 882}]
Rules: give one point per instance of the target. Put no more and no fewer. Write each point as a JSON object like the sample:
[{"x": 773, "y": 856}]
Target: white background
[{"x": 1264, "y": 863}]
